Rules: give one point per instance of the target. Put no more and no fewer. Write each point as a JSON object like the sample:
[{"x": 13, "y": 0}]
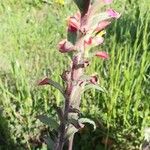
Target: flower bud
[
  {"x": 65, "y": 46},
  {"x": 94, "y": 79},
  {"x": 74, "y": 23},
  {"x": 113, "y": 14}
]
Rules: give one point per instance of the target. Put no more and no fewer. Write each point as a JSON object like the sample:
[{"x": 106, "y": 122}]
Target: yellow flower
[{"x": 101, "y": 33}]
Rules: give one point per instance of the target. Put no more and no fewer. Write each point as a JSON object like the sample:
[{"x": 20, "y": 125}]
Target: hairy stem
[
  {"x": 72, "y": 93},
  {"x": 62, "y": 129},
  {"x": 70, "y": 144}
]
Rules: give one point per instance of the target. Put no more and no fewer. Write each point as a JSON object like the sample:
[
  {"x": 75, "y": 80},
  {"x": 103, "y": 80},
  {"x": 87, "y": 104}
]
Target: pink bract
[
  {"x": 65, "y": 46},
  {"x": 98, "y": 40},
  {"x": 113, "y": 14},
  {"x": 88, "y": 41},
  {"x": 94, "y": 79},
  {"x": 102, "y": 55},
  {"x": 74, "y": 22},
  {"x": 102, "y": 25},
  {"x": 107, "y": 1},
  {"x": 95, "y": 41}
]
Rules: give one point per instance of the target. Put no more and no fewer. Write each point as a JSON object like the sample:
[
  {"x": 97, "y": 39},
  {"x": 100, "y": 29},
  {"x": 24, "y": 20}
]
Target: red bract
[
  {"x": 94, "y": 79},
  {"x": 113, "y": 14},
  {"x": 65, "y": 46},
  {"x": 95, "y": 41},
  {"x": 102, "y": 55},
  {"x": 44, "y": 82},
  {"x": 102, "y": 25},
  {"x": 88, "y": 41},
  {"x": 74, "y": 22}
]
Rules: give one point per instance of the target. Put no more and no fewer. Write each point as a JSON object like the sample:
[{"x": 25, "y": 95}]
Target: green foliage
[
  {"x": 89, "y": 121},
  {"x": 81, "y": 4},
  {"x": 93, "y": 86},
  {"x": 48, "y": 121},
  {"x": 29, "y": 33}
]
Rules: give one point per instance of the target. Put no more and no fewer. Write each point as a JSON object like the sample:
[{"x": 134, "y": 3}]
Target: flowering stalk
[{"x": 85, "y": 30}]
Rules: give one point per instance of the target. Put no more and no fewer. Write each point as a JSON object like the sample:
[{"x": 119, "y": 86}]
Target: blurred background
[{"x": 29, "y": 33}]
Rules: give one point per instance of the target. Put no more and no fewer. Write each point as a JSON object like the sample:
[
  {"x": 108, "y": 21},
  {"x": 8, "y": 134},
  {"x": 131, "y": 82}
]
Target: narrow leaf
[
  {"x": 48, "y": 81},
  {"x": 59, "y": 113},
  {"x": 71, "y": 130},
  {"x": 48, "y": 121},
  {"x": 87, "y": 120},
  {"x": 49, "y": 142},
  {"x": 83, "y": 5},
  {"x": 94, "y": 86},
  {"x": 72, "y": 37},
  {"x": 76, "y": 123}
]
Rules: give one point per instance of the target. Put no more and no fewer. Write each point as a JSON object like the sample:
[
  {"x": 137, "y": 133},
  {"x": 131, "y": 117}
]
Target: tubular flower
[
  {"x": 74, "y": 22},
  {"x": 65, "y": 46},
  {"x": 102, "y": 55},
  {"x": 113, "y": 14}
]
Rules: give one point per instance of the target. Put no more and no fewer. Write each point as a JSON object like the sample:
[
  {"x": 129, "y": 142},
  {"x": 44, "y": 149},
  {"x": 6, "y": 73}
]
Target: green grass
[{"x": 29, "y": 33}]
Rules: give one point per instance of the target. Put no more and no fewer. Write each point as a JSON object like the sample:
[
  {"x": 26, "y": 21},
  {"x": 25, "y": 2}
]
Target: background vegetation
[{"x": 29, "y": 33}]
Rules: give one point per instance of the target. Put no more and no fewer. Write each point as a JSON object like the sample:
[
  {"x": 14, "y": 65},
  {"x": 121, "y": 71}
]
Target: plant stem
[
  {"x": 70, "y": 144},
  {"x": 62, "y": 129},
  {"x": 76, "y": 73},
  {"x": 72, "y": 94}
]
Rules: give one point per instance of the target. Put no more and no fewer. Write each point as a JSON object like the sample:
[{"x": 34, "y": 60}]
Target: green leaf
[
  {"x": 72, "y": 37},
  {"x": 83, "y": 5},
  {"x": 52, "y": 83},
  {"x": 76, "y": 123},
  {"x": 87, "y": 120},
  {"x": 94, "y": 86},
  {"x": 1, "y": 110},
  {"x": 49, "y": 142},
  {"x": 59, "y": 112},
  {"x": 71, "y": 130},
  {"x": 48, "y": 121},
  {"x": 57, "y": 86}
]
